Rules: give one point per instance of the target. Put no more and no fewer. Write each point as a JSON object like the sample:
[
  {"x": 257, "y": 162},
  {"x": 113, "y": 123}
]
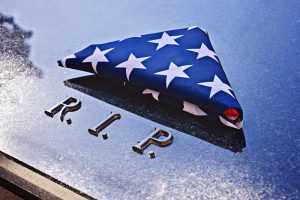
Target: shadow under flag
[{"x": 144, "y": 106}]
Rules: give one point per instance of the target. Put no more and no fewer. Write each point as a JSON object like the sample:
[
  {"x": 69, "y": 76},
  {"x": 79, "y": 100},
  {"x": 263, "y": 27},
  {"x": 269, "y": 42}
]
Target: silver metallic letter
[
  {"x": 153, "y": 139},
  {"x": 65, "y": 107},
  {"x": 103, "y": 124}
]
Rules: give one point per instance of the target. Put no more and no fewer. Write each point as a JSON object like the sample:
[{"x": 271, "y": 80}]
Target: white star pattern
[
  {"x": 166, "y": 40},
  {"x": 203, "y": 51},
  {"x": 132, "y": 63},
  {"x": 96, "y": 57},
  {"x": 154, "y": 93},
  {"x": 216, "y": 86},
  {"x": 63, "y": 61},
  {"x": 193, "y": 109},
  {"x": 173, "y": 72},
  {"x": 170, "y": 75}
]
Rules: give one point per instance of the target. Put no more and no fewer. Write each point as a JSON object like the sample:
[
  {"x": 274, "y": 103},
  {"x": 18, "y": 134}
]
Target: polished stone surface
[{"x": 258, "y": 45}]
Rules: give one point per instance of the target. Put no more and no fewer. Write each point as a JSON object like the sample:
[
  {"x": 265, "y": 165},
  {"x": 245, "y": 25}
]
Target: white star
[
  {"x": 63, "y": 61},
  {"x": 97, "y": 56},
  {"x": 132, "y": 63},
  {"x": 154, "y": 93},
  {"x": 193, "y": 109},
  {"x": 173, "y": 72},
  {"x": 216, "y": 86},
  {"x": 165, "y": 40},
  {"x": 204, "y": 51}
]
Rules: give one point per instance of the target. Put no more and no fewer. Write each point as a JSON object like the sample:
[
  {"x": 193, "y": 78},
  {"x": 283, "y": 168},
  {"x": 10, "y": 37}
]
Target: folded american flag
[{"x": 177, "y": 67}]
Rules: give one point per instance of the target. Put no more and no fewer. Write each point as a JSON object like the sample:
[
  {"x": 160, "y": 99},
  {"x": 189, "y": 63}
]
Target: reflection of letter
[
  {"x": 153, "y": 139},
  {"x": 65, "y": 107},
  {"x": 103, "y": 124}
]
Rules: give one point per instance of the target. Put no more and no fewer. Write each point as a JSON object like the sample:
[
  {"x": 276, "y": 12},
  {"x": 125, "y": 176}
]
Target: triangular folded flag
[{"x": 177, "y": 67}]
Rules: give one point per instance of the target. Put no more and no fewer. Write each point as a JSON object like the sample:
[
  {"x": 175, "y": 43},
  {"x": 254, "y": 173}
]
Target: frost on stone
[{"x": 14, "y": 59}]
